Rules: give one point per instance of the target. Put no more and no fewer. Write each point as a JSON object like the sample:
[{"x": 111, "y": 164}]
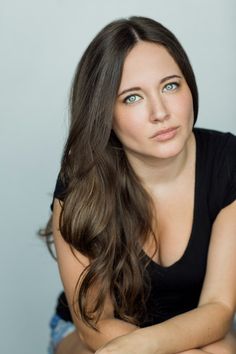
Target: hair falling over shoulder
[{"x": 107, "y": 214}]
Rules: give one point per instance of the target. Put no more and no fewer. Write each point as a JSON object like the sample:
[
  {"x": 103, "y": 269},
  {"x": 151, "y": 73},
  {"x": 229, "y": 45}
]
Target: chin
[
  {"x": 169, "y": 151},
  {"x": 162, "y": 150},
  {"x": 167, "y": 155}
]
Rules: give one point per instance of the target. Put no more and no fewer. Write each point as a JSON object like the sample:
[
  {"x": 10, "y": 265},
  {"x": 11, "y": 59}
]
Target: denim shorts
[{"x": 59, "y": 329}]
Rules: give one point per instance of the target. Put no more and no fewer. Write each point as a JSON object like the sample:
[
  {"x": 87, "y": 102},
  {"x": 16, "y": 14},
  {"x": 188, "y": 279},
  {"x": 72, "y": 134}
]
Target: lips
[
  {"x": 164, "y": 131},
  {"x": 165, "y": 135}
]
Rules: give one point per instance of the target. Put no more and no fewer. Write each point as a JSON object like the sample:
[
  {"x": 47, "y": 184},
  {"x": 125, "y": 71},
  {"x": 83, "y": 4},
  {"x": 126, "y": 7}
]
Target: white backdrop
[{"x": 41, "y": 42}]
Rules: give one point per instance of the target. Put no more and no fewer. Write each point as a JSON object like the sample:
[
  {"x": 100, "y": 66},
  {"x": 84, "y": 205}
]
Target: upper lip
[{"x": 163, "y": 131}]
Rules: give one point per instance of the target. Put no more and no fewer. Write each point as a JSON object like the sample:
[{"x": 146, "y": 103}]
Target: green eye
[
  {"x": 171, "y": 86},
  {"x": 132, "y": 99}
]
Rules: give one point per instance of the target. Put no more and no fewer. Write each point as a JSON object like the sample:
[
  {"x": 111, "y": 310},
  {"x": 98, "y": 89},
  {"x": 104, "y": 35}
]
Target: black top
[{"x": 176, "y": 289}]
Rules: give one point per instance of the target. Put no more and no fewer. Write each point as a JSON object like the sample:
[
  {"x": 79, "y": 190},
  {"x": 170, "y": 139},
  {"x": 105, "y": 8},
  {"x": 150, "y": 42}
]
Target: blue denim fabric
[{"x": 58, "y": 330}]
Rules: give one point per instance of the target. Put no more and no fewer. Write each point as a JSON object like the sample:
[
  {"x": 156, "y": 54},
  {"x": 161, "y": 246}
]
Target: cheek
[
  {"x": 184, "y": 106},
  {"x": 128, "y": 123},
  {"x": 125, "y": 130}
]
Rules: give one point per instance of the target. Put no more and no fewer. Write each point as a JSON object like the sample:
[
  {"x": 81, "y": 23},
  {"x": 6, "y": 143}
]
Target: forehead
[{"x": 147, "y": 61}]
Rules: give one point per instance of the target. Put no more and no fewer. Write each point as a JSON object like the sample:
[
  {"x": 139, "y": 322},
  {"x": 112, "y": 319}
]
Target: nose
[{"x": 158, "y": 109}]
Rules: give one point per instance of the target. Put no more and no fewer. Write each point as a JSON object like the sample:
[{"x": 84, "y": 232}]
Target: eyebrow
[{"x": 139, "y": 88}]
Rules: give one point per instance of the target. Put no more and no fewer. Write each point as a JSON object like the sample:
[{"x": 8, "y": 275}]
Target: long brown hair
[{"x": 107, "y": 214}]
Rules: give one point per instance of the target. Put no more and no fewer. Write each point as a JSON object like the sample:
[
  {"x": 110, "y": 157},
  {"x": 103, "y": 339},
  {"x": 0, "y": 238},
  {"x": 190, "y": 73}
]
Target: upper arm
[
  {"x": 220, "y": 280},
  {"x": 71, "y": 267}
]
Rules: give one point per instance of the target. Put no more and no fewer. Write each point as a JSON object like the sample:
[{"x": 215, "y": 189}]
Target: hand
[{"x": 128, "y": 344}]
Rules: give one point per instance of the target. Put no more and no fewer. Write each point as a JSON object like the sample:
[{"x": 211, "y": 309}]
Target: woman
[{"x": 144, "y": 207}]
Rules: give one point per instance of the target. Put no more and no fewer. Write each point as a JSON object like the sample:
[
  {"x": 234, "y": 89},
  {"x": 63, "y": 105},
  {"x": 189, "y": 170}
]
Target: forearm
[
  {"x": 108, "y": 329},
  {"x": 191, "y": 330}
]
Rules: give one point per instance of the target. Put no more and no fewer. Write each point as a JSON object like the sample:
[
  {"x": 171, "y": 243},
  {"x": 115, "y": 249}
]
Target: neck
[{"x": 157, "y": 172}]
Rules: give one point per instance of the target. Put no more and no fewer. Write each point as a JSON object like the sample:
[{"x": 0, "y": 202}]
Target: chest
[{"x": 174, "y": 215}]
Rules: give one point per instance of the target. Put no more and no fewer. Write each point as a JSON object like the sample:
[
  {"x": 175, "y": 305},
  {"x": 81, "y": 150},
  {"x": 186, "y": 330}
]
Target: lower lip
[{"x": 166, "y": 136}]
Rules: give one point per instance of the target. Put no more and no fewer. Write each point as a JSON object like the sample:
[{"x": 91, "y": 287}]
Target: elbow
[
  {"x": 229, "y": 312},
  {"x": 84, "y": 339},
  {"x": 226, "y": 317},
  {"x": 81, "y": 336},
  {"x": 220, "y": 315},
  {"x": 88, "y": 338}
]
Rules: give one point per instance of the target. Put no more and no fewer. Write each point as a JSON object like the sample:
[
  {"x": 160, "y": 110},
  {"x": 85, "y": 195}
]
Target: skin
[
  {"x": 157, "y": 102},
  {"x": 156, "y": 105}
]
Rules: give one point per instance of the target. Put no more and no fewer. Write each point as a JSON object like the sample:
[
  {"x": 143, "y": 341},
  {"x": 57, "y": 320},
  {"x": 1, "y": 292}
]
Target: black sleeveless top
[{"x": 176, "y": 289}]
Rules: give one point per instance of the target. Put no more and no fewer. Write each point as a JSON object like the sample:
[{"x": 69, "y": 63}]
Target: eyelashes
[
  {"x": 171, "y": 86},
  {"x": 134, "y": 97}
]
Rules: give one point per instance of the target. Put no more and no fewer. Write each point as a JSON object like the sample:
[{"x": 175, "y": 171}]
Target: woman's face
[{"x": 153, "y": 97}]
